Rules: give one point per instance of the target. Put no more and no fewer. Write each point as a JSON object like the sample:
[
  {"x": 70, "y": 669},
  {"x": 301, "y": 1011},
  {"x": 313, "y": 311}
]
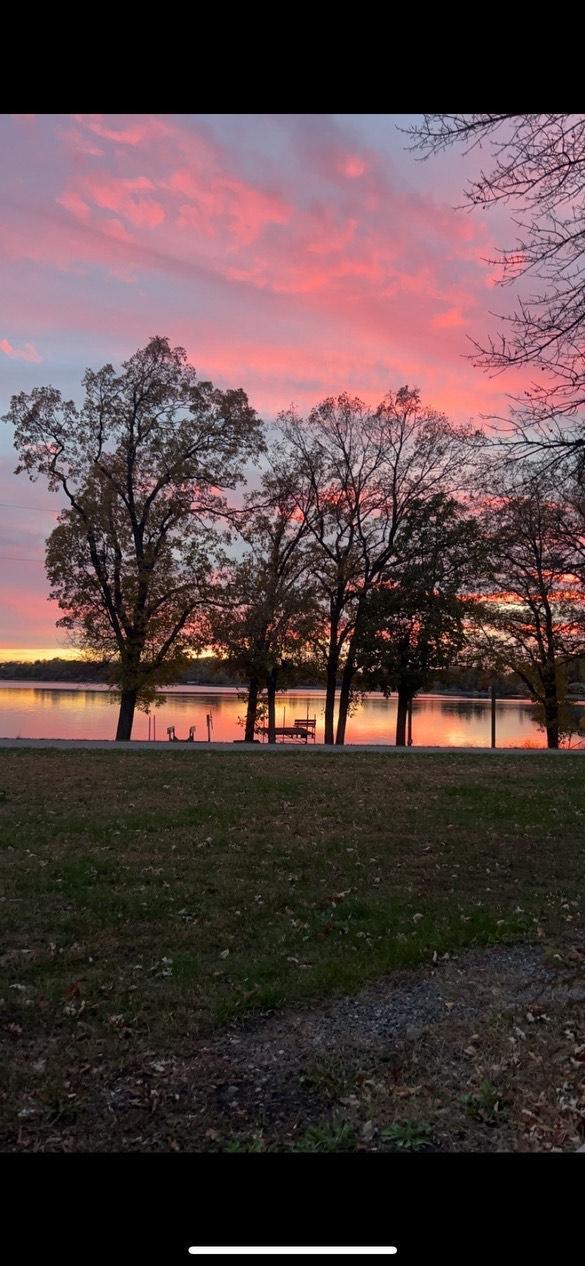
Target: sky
[{"x": 296, "y": 256}]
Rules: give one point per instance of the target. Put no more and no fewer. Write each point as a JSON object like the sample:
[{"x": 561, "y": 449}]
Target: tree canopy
[
  {"x": 356, "y": 472},
  {"x": 533, "y": 619},
  {"x": 267, "y": 615},
  {"x": 142, "y": 463},
  {"x": 535, "y": 164},
  {"x": 414, "y": 622}
]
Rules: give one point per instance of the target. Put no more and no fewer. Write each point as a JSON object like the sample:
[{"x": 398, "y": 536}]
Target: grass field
[{"x": 152, "y": 903}]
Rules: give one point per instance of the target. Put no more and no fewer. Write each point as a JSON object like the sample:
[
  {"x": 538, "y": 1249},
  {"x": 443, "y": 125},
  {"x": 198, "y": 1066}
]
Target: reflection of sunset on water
[{"x": 47, "y": 711}]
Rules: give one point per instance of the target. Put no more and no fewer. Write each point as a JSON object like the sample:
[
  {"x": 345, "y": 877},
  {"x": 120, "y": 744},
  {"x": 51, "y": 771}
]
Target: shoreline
[{"x": 237, "y": 746}]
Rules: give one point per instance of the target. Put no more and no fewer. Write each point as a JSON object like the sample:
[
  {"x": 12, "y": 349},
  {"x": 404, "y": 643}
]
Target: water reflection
[
  {"x": 46, "y": 711},
  {"x": 464, "y": 707}
]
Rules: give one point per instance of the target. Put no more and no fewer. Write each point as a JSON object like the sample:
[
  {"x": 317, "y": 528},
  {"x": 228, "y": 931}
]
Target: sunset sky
[{"x": 294, "y": 256}]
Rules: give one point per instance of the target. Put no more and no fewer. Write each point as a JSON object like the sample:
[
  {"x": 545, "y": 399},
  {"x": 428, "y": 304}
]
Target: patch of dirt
[
  {"x": 404, "y": 1006},
  {"x": 414, "y": 1047}
]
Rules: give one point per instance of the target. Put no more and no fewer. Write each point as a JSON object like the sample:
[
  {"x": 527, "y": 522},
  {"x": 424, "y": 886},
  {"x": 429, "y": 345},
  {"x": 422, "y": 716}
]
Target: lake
[{"x": 51, "y": 710}]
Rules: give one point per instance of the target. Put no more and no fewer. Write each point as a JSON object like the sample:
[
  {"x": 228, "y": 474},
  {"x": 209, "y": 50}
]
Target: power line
[
  {"x": 12, "y": 505},
  {"x": 10, "y": 558}
]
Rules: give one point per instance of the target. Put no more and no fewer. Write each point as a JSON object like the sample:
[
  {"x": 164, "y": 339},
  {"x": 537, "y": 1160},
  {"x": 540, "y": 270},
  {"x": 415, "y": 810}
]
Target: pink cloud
[
  {"x": 447, "y": 320},
  {"x": 218, "y": 199},
  {"x": 28, "y": 352},
  {"x": 114, "y": 228},
  {"x": 329, "y": 150},
  {"x": 76, "y": 205},
  {"x": 124, "y": 197},
  {"x": 193, "y": 217},
  {"x": 352, "y": 165},
  {"x": 78, "y": 143},
  {"x": 135, "y": 133},
  {"x": 333, "y": 238},
  {"x": 250, "y": 210}
]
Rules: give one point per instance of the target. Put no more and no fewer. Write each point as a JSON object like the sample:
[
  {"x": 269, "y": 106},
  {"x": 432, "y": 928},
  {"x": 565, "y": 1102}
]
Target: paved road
[{"x": 276, "y": 749}]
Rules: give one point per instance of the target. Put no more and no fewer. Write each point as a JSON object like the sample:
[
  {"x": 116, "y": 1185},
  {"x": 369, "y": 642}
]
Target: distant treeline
[
  {"x": 207, "y": 671},
  {"x": 211, "y": 671},
  {"x": 204, "y": 672}
]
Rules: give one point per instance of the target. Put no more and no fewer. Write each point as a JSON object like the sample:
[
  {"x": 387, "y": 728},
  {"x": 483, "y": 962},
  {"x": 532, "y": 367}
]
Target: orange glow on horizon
[{"x": 28, "y": 654}]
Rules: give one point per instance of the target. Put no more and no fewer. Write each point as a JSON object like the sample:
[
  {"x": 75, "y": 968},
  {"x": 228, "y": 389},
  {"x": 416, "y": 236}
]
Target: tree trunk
[
  {"x": 271, "y": 692},
  {"x": 126, "y": 715},
  {"x": 346, "y": 680},
  {"x": 335, "y": 609},
  {"x": 330, "y": 698},
  {"x": 251, "y": 710},
  {"x": 551, "y": 721},
  {"x": 551, "y": 710},
  {"x": 401, "y": 717}
]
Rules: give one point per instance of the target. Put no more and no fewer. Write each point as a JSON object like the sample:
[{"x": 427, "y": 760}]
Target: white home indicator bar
[{"x": 287, "y": 1251}]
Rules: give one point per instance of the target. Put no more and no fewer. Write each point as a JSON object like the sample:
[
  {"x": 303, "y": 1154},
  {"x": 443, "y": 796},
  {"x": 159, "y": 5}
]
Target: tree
[
  {"x": 571, "y": 721},
  {"x": 537, "y": 166},
  {"x": 142, "y": 464},
  {"x": 357, "y": 471},
  {"x": 267, "y": 612},
  {"x": 415, "y": 622},
  {"x": 533, "y": 612}
]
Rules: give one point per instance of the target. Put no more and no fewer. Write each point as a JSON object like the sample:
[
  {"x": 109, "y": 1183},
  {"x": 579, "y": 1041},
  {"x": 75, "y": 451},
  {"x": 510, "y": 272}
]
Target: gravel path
[
  {"x": 261, "y": 1067},
  {"x": 468, "y": 986}
]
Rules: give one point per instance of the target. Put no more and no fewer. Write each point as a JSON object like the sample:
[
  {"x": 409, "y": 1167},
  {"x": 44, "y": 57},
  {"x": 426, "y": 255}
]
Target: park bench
[
  {"x": 309, "y": 725},
  {"x": 173, "y": 737},
  {"x": 302, "y": 729}
]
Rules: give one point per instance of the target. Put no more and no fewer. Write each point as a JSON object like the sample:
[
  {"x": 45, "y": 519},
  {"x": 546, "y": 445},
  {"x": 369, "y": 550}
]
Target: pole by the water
[{"x": 493, "y": 696}]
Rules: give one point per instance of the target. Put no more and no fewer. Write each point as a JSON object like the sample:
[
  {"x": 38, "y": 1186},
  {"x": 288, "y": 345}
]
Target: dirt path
[{"x": 484, "y": 1052}]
